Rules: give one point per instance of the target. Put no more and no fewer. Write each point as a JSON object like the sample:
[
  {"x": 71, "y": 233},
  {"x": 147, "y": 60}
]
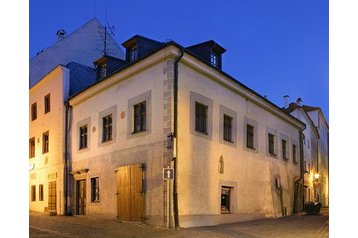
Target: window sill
[
  {"x": 251, "y": 148},
  {"x": 83, "y": 148},
  {"x": 229, "y": 141},
  {"x": 138, "y": 132},
  {"x": 105, "y": 141},
  {"x": 202, "y": 132}
]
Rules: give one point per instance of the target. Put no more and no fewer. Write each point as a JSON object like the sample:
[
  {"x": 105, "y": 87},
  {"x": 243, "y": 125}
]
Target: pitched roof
[{"x": 81, "y": 77}]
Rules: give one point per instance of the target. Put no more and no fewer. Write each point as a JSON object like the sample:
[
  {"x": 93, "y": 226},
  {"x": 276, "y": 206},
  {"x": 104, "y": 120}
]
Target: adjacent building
[
  {"x": 315, "y": 143},
  {"x": 53, "y": 78}
]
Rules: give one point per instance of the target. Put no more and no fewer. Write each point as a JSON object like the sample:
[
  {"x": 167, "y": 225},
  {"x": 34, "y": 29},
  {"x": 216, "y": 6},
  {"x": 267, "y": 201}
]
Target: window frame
[
  {"x": 33, "y": 111},
  {"x": 32, "y": 148},
  {"x": 45, "y": 143},
  {"x": 214, "y": 59},
  {"x": 41, "y": 192},
  {"x": 95, "y": 194},
  {"x": 33, "y": 193},
  {"x": 250, "y": 135},
  {"x": 248, "y": 122},
  {"x": 201, "y": 118},
  {"x": 83, "y": 137},
  {"x": 140, "y": 117},
  {"x": 147, "y": 97},
  {"x": 227, "y": 127},
  {"x": 271, "y": 144},
  {"x": 294, "y": 153},
  {"x": 107, "y": 128},
  {"x": 47, "y": 103},
  {"x": 284, "y": 149},
  {"x": 194, "y": 99}
]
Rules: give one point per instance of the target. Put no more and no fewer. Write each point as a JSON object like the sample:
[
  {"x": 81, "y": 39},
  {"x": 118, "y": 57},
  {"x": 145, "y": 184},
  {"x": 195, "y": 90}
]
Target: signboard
[{"x": 168, "y": 174}]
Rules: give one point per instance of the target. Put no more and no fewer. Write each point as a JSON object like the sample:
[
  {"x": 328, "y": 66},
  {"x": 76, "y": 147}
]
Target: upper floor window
[
  {"x": 133, "y": 53},
  {"x": 214, "y": 59},
  {"x": 47, "y": 103},
  {"x": 32, "y": 147},
  {"x": 271, "y": 144},
  {"x": 45, "y": 142},
  {"x": 140, "y": 117},
  {"x": 95, "y": 189},
  {"x": 107, "y": 128},
  {"x": 201, "y": 112},
  {"x": 227, "y": 128},
  {"x": 284, "y": 149},
  {"x": 33, "y": 111},
  {"x": 294, "y": 153},
  {"x": 250, "y": 136},
  {"x": 83, "y": 137}
]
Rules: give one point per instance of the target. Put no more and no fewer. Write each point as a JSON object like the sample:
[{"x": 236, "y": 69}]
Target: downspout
[
  {"x": 66, "y": 166},
  {"x": 175, "y": 135},
  {"x": 302, "y": 164}
]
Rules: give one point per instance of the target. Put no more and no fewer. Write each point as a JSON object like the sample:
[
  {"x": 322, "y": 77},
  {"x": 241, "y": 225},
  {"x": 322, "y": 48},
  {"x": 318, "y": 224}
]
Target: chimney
[
  {"x": 299, "y": 102},
  {"x": 286, "y": 101},
  {"x": 60, "y": 34}
]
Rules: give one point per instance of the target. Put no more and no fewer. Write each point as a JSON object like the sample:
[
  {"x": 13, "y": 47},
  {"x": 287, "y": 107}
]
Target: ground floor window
[
  {"x": 33, "y": 193},
  {"x": 225, "y": 199},
  {"x": 95, "y": 189},
  {"x": 41, "y": 192}
]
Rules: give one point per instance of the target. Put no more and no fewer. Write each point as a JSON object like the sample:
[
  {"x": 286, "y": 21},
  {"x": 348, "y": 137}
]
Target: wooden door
[
  {"x": 52, "y": 196},
  {"x": 130, "y": 193},
  {"x": 81, "y": 197}
]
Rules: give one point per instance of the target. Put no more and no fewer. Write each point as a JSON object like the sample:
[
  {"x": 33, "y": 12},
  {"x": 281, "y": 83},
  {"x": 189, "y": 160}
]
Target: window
[
  {"x": 107, "y": 128},
  {"x": 284, "y": 149},
  {"x": 32, "y": 147},
  {"x": 201, "y": 112},
  {"x": 33, "y": 111},
  {"x": 41, "y": 192},
  {"x": 45, "y": 142},
  {"x": 294, "y": 153},
  {"x": 47, "y": 103},
  {"x": 250, "y": 136},
  {"x": 140, "y": 117},
  {"x": 33, "y": 192},
  {"x": 227, "y": 128},
  {"x": 95, "y": 189},
  {"x": 271, "y": 139},
  {"x": 133, "y": 53},
  {"x": 83, "y": 137},
  {"x": 214, "y": 59}
]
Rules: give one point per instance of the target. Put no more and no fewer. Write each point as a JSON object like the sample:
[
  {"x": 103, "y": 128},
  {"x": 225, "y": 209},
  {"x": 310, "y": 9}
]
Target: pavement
[{"x": 299, "y": 225}]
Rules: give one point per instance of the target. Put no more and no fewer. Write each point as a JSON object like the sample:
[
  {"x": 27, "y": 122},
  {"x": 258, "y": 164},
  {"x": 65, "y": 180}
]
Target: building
[
  {"x": 236, "y": 156},
  {"x": 316, "y": 160},
  {"x": 54, "y": 76}
]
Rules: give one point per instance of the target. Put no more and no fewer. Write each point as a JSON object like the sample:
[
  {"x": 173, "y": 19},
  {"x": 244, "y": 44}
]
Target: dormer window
[
  {"x": 133, "y": 53},
  {"x": 214, "y": 59},
  {"x": 103, "y": 71}
]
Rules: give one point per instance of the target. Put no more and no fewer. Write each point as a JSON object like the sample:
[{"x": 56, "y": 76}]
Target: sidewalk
[{"x": 299, "y": 225}]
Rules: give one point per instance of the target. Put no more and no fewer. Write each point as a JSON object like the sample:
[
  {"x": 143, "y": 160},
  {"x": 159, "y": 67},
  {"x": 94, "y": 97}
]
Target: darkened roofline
[{"x": 125, "y": 44}]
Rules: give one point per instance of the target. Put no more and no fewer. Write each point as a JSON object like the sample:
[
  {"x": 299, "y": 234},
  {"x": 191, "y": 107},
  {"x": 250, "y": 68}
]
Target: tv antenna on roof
[{"x": 107, "y": 29}]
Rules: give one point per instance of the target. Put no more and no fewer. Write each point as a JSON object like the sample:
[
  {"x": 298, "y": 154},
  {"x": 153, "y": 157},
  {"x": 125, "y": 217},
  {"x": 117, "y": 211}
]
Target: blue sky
[{"x": 275, "y": 47}]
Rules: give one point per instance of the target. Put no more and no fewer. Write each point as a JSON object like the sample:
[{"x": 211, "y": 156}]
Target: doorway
[
  {"x": 225, "y": 199},
  {"x": 81, "y": 197},
  {"x": 52, "y": 196},
  {"x": 130, "y": 194}
]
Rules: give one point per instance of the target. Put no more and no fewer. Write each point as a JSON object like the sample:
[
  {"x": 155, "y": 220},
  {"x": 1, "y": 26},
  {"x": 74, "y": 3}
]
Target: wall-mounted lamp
[{"x": 316, "y": 176}]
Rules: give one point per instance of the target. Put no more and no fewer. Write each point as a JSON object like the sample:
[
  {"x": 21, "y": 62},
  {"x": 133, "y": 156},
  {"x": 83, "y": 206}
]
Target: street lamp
[{"x": 316, "y": 176}]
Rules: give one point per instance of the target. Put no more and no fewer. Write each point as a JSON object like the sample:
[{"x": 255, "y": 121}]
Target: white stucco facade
[{"x": 250, "y": 174}]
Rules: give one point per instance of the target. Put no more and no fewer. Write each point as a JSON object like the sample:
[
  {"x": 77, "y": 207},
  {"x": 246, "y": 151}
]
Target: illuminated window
[
  {"x": 201, "y": 112},
  {"x": 95, "y": 189},
  {"x": 45, "y": 142},
  {"x": 32, "y": 147},
  {"x": 140, "y": 117},
  {"x": 47, "y": 103},
  {"x": 214, "y": 59},
  {"x": 33, "y": 111},
  {"x": 41, "y": 192},
  {"x": 107, "y": 128},
  {"x": 83, "y": 137},
  {"x": 225, "y": 199},
  {"x": 133, "y": 53}
]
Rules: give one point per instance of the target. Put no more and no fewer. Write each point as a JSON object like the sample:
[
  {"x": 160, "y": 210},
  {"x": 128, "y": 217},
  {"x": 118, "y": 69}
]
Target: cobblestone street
[{"x": 82, "y": 226}]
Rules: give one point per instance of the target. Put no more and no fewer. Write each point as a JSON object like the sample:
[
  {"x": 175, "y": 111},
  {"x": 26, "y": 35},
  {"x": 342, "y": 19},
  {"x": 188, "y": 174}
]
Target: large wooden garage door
[
  {"x": 52, "y": 196},
  {"x": 130, "y": 193}
]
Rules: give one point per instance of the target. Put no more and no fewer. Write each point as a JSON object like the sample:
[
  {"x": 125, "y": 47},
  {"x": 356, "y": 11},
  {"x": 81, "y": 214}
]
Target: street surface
[{"x": 45, "y": 226}]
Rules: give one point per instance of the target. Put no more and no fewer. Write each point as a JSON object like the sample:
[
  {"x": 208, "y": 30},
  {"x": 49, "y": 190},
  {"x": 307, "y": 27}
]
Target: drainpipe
[
  {"x": 302, "y": 164},
  {"x": 175, "y": 135},
  {"x": 66, "y": 166}
]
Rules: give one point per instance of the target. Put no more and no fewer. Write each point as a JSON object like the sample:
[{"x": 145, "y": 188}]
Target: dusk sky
[{"x": 275, "y": 47}]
